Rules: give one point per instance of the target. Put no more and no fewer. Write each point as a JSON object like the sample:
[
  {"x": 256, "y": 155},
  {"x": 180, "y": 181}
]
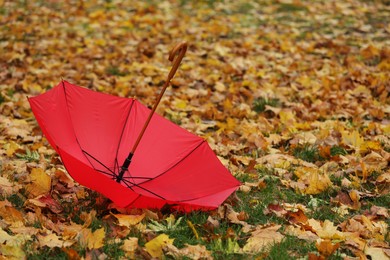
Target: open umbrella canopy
[{"x": 93, "y": 133}]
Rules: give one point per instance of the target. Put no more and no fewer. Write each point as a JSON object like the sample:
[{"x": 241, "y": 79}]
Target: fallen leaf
[
  {"x": 326, "y": 229},
  {"x": 189, "y": 251},
  {"x": 261, "y": 238},
  {"x": 314, "y": 181},
  {"x": 92, "y": 240},
  {"x": 326, "y": 248},
  {"x": 46, "y": 201},
  {"x": 130, "y": 245},
  {"x": 40, "y": 183},
  {"x": 52, "y": 240},
  {"x": 8, "y": 188},
  {"x": 155, "y": 246},
  {"x": 376, "y": 253},
  {"x": 12, "y": 251},
  {"x": 129, "y": 220}
]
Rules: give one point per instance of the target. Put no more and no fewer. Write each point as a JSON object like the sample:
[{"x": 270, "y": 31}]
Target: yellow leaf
[
  {"x": 326, "y": 230},
  {"x": 40, "y": 182},
  {"x": 314, "y": 181},
  {"x": 370, "y": 145},
  {"x": 129, "y": 246},
  {"x": 129, "y": 220},
  {"x": 353, "y": 139},
  {"x": 15, "y": 240},
  {"x": 154, "y": 247},
  {"x": 11, "y": 148},
  {"x": 92, "y": 240},
  {"x": 52, "y": 240},
  {"x": 12, "y": 252}
]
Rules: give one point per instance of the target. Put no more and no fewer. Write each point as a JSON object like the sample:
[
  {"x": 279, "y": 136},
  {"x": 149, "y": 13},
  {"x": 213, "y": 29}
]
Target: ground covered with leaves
[{"x": 293, "y": 96}]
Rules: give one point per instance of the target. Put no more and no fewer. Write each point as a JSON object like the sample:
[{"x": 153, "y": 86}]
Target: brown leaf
[
  {"x": 326, "y": 248},
  {"x": 189, "y": 251},
  {"x": 261, "y": 238},
  {"x": 297, "y": 217}
]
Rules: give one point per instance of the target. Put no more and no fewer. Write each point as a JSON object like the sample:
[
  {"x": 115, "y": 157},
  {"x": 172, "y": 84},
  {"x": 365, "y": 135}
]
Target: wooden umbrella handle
[{"x": 180, "y": 49}]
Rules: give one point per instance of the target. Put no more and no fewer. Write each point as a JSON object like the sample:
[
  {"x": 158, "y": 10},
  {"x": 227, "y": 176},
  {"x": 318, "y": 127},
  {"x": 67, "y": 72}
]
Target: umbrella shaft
[{"x": 124, "y": 167}]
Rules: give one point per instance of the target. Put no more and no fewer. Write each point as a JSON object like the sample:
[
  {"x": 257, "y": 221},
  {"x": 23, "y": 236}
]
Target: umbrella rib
[
  {"x": 182, "y": 159},
  {"x": 108, "y": 169},
  {"x": 123, "y": 130},
  {"x": 109, "y": 174},
  {"x": 77, "y": 140},
  {"x": 131, "y": 177},
  {"x": 138, "y": 186}
]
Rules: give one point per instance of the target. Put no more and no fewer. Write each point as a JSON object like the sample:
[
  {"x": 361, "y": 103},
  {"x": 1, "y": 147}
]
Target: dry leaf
[
  {"x": 189, "y": 251},
  {"x": 261, "y": 238},
  {"x": 92, "y": 240},
  {"x": 129, "y": 220},
  {"x": 40, "y": 183},
  {"x": 155, "y": 246},
  {"x": 130, "y": 245},
  {"x": 326, "y": 229},
  {"x": 326, "y": 247},
  {"x": 52, "y": 240}
]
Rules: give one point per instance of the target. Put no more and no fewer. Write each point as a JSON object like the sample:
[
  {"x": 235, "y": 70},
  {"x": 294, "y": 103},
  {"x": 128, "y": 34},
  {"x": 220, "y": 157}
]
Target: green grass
[
  {"x": 285, "y": 8},
  {"x": 337, "y": 150},
  {"x": 290, "y": 248},
  {"x": 307, "y": 152},
  {"x": 113, "y": 250},
  {"x": 30, "y": 156},
  {"x": 115, "y": 71},
  {"x": 17, "y": 200},
  {"x": 260, "y": 104},
  {"x": 45, "y": 252}
]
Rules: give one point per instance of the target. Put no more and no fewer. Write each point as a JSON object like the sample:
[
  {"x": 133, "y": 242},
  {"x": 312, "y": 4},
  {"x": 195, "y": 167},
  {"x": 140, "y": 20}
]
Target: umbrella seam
[
  {"x": 77, "y": 140},
  {"x": 120, "y": 138},
  {"x": 174, "y": 165}
]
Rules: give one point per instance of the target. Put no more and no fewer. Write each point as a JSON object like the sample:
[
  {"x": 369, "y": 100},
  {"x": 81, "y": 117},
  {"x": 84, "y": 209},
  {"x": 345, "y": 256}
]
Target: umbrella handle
[{"x": 179, "y": 50}]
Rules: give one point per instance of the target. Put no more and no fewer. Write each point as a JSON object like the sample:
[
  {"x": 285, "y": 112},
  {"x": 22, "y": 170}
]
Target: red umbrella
[{"x": 93, "y": 132}]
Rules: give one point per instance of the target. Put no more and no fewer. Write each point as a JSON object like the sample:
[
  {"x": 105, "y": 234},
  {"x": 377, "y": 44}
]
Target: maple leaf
[
  {"x": 52, "y": 240},
  {"x": 326, "y": 247},
  {"x": 130, "y": 245},
  {"x": 314, "y": 181},
  {"x": 326, "y": 229},
  {"x": 92, "y": 240},
  {"x": 189, "y": 251},
  {"x": 40, "y": 182},
  {"x": 261, "y": 238},
  {"x": 129, "y": 220}
]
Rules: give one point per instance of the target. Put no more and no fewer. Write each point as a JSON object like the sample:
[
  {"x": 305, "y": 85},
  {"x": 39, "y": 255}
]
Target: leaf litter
[{"x": 293, "y": 96}]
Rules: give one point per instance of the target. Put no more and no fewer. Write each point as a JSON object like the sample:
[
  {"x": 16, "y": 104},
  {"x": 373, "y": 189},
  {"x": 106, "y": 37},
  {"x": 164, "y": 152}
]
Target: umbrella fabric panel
[
  {"x": 197, "y": 175},
  {"x": 162, "y": 146},
  {"x": 51, "y": 112},
  {"x": 206, "y": 203},
  {"x": 98, "y": 121}
]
